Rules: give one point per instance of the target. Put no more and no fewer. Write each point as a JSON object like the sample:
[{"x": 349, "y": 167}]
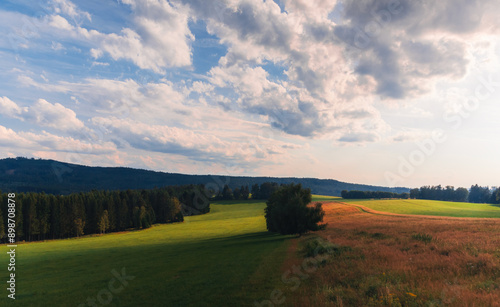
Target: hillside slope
[{"x": 49, "y": 176}]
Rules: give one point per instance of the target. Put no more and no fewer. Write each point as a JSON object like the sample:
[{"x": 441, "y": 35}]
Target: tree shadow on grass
[
  {"x": 237, "y": 202},
  {"x": 251, "y": 238}
]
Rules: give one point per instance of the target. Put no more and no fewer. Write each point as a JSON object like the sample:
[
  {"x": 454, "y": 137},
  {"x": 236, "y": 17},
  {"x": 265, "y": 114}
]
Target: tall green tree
[
  {"x": 245, "y": 192},
  {"x": 104, "y": 222},
  {"x": 79, "y": 226},
  {"x": 227, "y": 193},
  {"x": 461, "y": 195},
  {"x": 255, "y": 191},
  {"x": 287, "y": 211},
  {"x": 2, "y": 227},
  {"x": 495, "y": 196},
  {"x": 237, "y": 193},
  {"x": 173, "y": 210},
  {"x": 44, "y": 215},
  {"x": 33, "y": 224}
]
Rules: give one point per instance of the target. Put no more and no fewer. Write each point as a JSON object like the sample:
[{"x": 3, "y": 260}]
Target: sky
[{"x": 383, "y": 92}]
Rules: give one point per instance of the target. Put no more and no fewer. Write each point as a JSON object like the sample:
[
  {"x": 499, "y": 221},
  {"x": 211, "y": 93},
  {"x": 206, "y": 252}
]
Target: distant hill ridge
[{"x": 54, "y": 177}]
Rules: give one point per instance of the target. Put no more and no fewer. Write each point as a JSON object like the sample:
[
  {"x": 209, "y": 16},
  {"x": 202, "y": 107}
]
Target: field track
[{"x": 369, "y": 210}]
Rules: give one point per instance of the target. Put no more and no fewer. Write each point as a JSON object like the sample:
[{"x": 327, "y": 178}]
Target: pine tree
[
  {"x": 104, "y": 222},
  {"x": 44, "y": 215},
  {"x": 79, "y": 226},
  {"x": 2, "y": 227}
]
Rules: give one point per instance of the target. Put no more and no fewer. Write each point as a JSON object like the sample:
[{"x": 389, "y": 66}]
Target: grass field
[
  {"x": 321, "y": 198},
  {"x": 224, "y": 256},
  {"x": 227, "y": 258},
  {"x": 383, "y": 260},
  {"x": 429, "y": 207}
]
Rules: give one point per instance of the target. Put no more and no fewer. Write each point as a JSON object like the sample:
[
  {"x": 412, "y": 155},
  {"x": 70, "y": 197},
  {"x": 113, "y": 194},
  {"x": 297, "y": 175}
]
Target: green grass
[
  {"x": 429, "y": 207},
  {"x": 225, "y": 257},
  {"x": 321, "y": 198}
]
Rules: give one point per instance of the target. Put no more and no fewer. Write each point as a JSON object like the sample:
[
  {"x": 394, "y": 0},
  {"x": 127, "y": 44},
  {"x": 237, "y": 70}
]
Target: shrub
[{"x": 422, "y": 237}]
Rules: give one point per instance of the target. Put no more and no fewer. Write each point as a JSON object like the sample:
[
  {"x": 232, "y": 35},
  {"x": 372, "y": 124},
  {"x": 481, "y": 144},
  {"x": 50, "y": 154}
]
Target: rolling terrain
[
  {"x": 227, "y": 257},
  {"x": 54, "y": 177}
]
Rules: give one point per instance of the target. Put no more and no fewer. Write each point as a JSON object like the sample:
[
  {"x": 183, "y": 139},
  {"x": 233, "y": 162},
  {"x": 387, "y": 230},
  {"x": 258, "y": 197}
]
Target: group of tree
[
  {"x": 288, "y": 211},
  {"x": 448, "y": 193},
  {"x": 262, "y": 191},
  {"x": 227, "y": 193},
  {"x": 372, "y": 194},
  {"x": 41, "y": 216},
  {"x": 476, "y": 194},
  {"x": 479, "y": 194}
]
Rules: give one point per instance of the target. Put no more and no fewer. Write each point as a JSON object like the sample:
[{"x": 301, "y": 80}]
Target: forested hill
[{"x": 53, "y": 177}]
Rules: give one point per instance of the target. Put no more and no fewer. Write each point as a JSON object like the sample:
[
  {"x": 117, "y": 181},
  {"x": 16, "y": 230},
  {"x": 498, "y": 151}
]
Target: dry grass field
[{"x": 390, "y": 260}]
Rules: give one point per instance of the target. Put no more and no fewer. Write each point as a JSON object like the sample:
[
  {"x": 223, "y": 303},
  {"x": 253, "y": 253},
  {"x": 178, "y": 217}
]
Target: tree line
[
  {"x": 262, "y": 191},
  {"x": 41, "y": 216},
  {"x": 476, "y": 194},
  {"x": 372, "y": 194}
]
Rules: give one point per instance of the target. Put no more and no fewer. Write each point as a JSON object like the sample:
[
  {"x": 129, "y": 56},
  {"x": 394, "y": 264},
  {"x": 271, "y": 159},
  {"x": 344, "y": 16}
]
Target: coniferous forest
[{"x": 41, "y": 216}]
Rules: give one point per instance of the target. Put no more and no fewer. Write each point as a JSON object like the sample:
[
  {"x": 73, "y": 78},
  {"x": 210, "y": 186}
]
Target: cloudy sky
[{"x": 393, "y": 93}]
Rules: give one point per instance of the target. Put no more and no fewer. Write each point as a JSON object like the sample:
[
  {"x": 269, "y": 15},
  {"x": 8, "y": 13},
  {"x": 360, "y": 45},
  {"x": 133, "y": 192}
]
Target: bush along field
[{"x": 382, "y": 260}]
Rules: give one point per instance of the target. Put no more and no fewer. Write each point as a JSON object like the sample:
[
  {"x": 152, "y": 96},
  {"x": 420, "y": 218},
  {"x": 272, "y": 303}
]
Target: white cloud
[
  {"x": 159, "y": 39},
  {"x": 44, "y": 114},
  {"x": 99, "y": 64},
  {"x": 68, "y": 8},
  {"x": 9, "y": 137},
  {"x": 323, "y": 66},
  {"x": 10, "y": 108},
  {"x": 55, "y": 116},
  {"x": 325, "y": 76},
  {"x": 247, "y": 151},
  {"x": 59, "y": 22},
  {"x": 50, "y": 142},
  {"x": 410, "y": 135},
  {"x": 57, "y": 46}
]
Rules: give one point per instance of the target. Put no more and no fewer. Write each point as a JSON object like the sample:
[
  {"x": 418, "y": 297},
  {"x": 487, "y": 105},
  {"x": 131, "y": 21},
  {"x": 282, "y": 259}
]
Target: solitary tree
[{"x": 287, "y": 211}]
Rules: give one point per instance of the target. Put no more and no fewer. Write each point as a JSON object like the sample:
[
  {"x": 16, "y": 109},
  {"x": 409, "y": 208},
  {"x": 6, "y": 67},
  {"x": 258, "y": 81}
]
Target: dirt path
[{"x": 371, "y": 211}]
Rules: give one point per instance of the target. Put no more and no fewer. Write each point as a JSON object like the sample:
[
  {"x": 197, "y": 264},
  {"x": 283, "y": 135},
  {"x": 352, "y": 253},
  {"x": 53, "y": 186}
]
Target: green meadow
[
  {"x": 429, "y": 207},
  {"x": 225, "y": 257},
  {"x": 320, "y": 198}
]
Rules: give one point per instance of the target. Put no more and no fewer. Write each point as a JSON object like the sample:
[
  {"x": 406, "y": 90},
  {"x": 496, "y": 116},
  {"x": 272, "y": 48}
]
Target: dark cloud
[
  {"x": 404, "y": 44},
  {"x": 294, "y": 122}
]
